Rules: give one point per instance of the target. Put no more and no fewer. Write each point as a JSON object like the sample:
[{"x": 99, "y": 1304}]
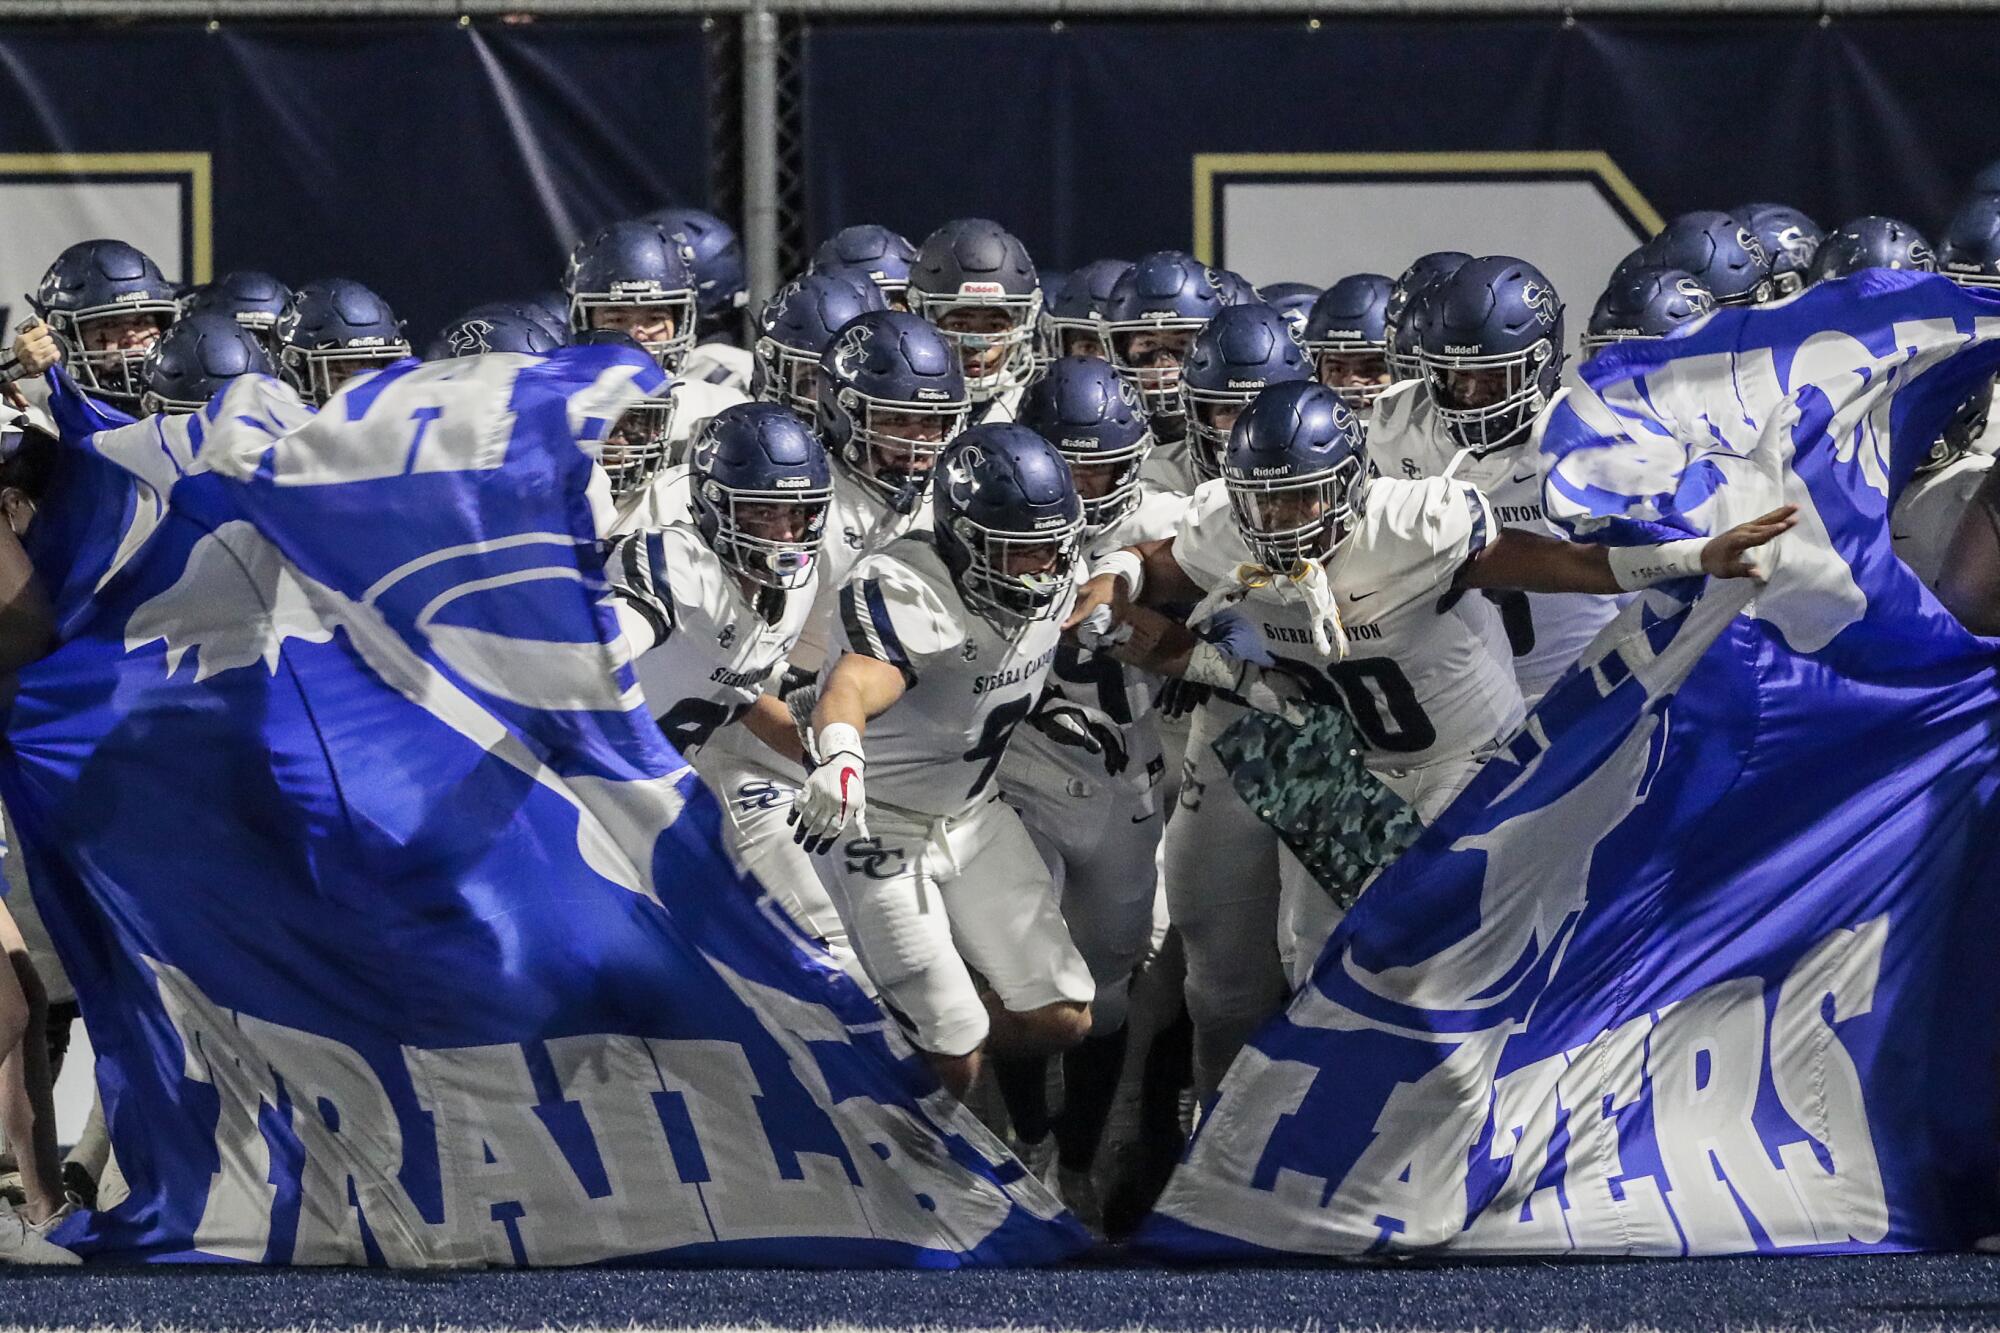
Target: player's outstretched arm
[
  {"x": 1146, "y": 574},
  {"x": 771, "y": 722},
  {"x": 1528, "y": 562},
  {"x": 858, "y": 688},
  {"x": 1970, "y": 583}
]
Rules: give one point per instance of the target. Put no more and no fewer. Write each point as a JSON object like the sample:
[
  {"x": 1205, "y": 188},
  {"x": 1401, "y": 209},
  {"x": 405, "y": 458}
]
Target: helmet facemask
[
  {"x": 1490, "y": 402},
  {"x": 1124, "y": 465},
  {"x": 634, "y": 312},
  {"x": 769, "y": 537},
  {"x": 1287, "y": 521},
  {"x": 1354, "y": 368},
  {"x": 1149, "y": 353},
  {"x": 790, "y": 378},
  {"x": 994, "y": 360},
  {"x": 1211, "y": 414},
  {"x": 318, "y": 373},
  {"x": 1015, "y": 579},
  {"x": 892, "y": 445},
  {"x": 112, "y": 372},
  {"x": 635, "y": 448}
]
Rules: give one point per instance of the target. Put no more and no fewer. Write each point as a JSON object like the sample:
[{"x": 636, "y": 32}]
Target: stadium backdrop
[{"x": 451, "y": 161}]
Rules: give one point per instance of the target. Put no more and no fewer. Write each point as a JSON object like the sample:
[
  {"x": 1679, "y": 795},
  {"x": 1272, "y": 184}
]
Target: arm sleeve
[
  {"x": 887, "y": 611},
  {"x": 637, "y": 567}
]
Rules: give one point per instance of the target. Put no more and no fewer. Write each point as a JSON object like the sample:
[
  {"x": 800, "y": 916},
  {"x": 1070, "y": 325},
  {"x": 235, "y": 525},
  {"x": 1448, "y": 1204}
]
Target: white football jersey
[
  {"x": 1122, "y": 693},
  {"x": 1928, "y": 511},
  {"x": 704, "y": 650},
  {"x": 1002, "y": 407},
  {"x": 695, "y": 401},
  {"x": 937, "y": 749},
  {"x": 1422, "y": 681},
  {"x": 666, "y": 499},
  {"x": 1170, "y": 467},
  {"x": 719, "y": 363},
  {"x": 858, "y": 523},
  {"x": 1408, "y": 440}
]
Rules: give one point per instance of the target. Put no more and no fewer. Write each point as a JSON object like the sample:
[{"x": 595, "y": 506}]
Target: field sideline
[{"x": 1887, "y": 1292}]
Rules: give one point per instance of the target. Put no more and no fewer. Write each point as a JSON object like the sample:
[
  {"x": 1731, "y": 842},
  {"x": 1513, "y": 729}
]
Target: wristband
[
  {"x": 1636, "y": 567},
  {"x": 1126, "y": 565},
  {"x": 835, "y": 738}
]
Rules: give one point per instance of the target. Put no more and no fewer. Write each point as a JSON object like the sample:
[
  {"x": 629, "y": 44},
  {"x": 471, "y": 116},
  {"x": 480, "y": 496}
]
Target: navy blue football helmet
[
  {"x": 883, "y": 255},
  {"x": 552, "y": 321},
  {"x": 196, "y": 359},
  {"x": 1294, "y": 470},
  {"x": 1095, "y": 420},
  {"x": 476, "y": 334},
  {"x": 1491, "y": 338},
  {"x": 1970, "y": 254},
  {"x": 1236, "y": 289},
  {"x": 252, "y": 299},
  {"x": 636, "y": 446},
  {"x": 1008, "y": 523},
  {"x": 795, "y": 327},
  {"x": 1347, "y": 337},
  {"x": 1789, "y": 237},
  {"x": 1236, "y": 356},
  {"x": 1721, "y": 251},
  {"x": 1150, "y": 319},
  {"x": 1399, "y": 329},
  {"x": 720, "y": 283},
  {"x": 891, "y": 397},
  {"x": 107, "y": 304},
  {"x": 975, "y": 281},
  {"x": 1071, "y": 315},
  {"x": 1646, "y": 303},
  {"x": 332, "y": 330},
  {"x": 761, "y": 486},
  {"x": 638, "y": 277},
  {"x": 1293, "y": 300},
  {"x": 1872, "y": 242}
]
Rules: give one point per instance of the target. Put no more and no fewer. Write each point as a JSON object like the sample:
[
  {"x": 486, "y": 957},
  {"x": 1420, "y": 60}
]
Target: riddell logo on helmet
[
  {"x": 1051, "y": 521},
  {"x": 1270, "y": 471},
  {"x": 932, "y": 396},
  {"x": 1463, "y": 349},
  {"x": 647, "y": 286},
  {"x": 1246, "y": 384},
  {"x": 792, "y": 483},
  {"x": 981, "y": 289},
  {"x": 1354, "y": 335}
]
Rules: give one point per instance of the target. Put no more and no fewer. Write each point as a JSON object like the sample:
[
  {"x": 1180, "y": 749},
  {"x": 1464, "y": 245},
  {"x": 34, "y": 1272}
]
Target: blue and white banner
[
  {"x": 1705, "y": 963},
  {"x": 403, "y": 935}
]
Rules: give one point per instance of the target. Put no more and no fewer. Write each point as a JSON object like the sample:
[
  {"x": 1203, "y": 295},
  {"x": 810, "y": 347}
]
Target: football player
[
  {"x": 1399, "y": 325},
  {"x": 1235, "y": 356},
  {"x": 644, "y": 489},
  {"x": 1377, "y": 631},
  {"x": 1149, "y": 322},
  {"x": 107, "y": 304},
  {"x": 975, "y": 281},
  {"x": 1719, "y": 250},
  {"x": 477, "y": 334},
  {"x": 252, "y": 299},
  {"x": 944, "y": 643},
  {"x": 1071, "y": 315},
  {"x": 1347, "y": 336},
  {"x": 332, "y": 331},
  {"x": 712, "y": 606},
  {"x": 795, "y": 328},
  {"x": 1293, "y": 300},
  {"x": 881, "y": 255},
  {"x": 1789, "y": 237},
  {"x": 891, "y": 396},
  {"x": 1872, "y": 242},
  {"x": 1086, "y": 772},
  {"x": 721, "y": 293},
  {"x": 196, "y": 359},
  {"x": 1645, "y": 303}
]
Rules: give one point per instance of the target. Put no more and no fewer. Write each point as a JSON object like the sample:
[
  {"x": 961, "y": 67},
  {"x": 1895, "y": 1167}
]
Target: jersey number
[
  {"x": 1000, "y": 724},
  {"x": 1106, "y": 674},
  {"x": 691, "y": 722},
  {"x": 1378, "y": 696}
]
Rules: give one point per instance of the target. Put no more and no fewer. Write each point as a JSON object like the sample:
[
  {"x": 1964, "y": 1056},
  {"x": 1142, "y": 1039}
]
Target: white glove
[
  {"x": 1310, "y": 588},
  {"x": 1259, "y": 690},
  {"x": 1100, "y": 631},
  {"x": 833, "y": 796}
]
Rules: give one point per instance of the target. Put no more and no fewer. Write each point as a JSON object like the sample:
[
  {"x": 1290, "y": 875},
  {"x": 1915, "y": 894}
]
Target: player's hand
[
  {"x": 1101, "y": 631},
  {"x": 35, "y": 348},
  {"x": 1100, "y": 593},
  {"x": 1726, "y": 556},
  {"x": 835, "y": 794},
  {"x": 1084, "y": 728},
  {"x": 1180, "y": 697}
]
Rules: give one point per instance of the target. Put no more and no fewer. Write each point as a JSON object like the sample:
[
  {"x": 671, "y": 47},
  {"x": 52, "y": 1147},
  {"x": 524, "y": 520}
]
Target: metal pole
[{"x": 760, "y": 151}]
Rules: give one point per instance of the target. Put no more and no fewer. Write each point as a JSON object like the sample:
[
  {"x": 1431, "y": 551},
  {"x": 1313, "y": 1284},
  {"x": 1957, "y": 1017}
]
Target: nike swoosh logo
[
  {"x": 1140, "y": 819},
  {"x": 1358, "y": 596},
  {"x": 1529, "y": 476}
]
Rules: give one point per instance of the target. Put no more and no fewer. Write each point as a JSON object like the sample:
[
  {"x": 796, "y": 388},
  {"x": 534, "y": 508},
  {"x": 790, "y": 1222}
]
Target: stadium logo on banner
[{"x": 1316, "y": 217}]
